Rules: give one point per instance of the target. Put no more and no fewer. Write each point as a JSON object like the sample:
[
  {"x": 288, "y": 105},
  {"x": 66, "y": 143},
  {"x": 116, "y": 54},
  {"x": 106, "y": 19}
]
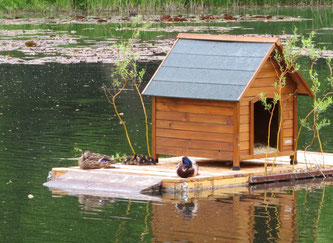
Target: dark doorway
[{"x": 261, "y": 121}]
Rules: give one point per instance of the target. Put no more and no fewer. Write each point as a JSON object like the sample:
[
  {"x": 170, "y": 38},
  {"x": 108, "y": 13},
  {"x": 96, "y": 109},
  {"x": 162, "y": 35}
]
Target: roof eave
[{"x": 299, "y": 79}]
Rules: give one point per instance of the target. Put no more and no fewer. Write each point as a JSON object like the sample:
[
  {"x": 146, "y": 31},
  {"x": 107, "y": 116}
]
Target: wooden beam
[
  {"x": 153, "y": 128},
  {"x": 290, "y": 176},
  {"x": 252, "y": 126},
  {"x": 197, "y": 102},
  {"x": 204, "y": 153},
  {"x": 195, "y": 135},
  {"x": 192, "y": 117},
  {"x": 280, "y": 120},
  {"x": 194, "y": 126},
  {"x": 235, "y": 38},
  {"x": 192, "y": 108},
  {"x": 295, "y": 128},
  {"x": 194, "y": 144},
  {"x": 261, "y": 156},
  {"x": 236, "y": 155}
]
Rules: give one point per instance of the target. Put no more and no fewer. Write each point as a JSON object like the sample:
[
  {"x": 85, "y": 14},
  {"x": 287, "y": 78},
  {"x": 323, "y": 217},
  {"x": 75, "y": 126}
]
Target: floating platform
[{"x": 144, "y": 182}]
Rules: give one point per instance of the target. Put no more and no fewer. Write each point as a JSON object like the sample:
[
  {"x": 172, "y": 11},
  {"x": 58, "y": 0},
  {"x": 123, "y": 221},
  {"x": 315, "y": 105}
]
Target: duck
[
  {"x": 90, "y": 160},
  {"x": 151, "y": 161},
  {"x": 139, "y": 159},
  {"x": 187, "y": 168},
  {"x": 131, "y": 160}
]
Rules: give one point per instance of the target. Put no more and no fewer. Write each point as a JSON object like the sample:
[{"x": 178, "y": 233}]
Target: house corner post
[
  {"x": 236, "y": 142},
  {"x": 293, "y": 157},
  {"x": 153, "y": 128}
]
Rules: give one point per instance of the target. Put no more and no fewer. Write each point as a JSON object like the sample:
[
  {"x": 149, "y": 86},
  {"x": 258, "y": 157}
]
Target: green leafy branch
[{"x": 126, "y": 71}]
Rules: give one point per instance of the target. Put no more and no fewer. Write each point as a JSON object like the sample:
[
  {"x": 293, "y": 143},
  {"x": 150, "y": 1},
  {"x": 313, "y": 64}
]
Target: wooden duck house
[{"x": 206, "y": 99}]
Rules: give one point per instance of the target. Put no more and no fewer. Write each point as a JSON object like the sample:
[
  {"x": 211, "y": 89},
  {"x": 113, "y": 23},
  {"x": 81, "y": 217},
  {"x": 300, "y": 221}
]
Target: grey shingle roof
[{"x": 201, "y": 69}]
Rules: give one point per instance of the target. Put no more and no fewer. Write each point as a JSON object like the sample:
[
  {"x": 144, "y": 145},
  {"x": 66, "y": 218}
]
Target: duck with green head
[{"x": 187, "y": 168}]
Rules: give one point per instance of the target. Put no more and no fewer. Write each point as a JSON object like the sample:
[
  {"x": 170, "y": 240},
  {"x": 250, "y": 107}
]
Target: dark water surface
[{"x": 46, "y": 111}]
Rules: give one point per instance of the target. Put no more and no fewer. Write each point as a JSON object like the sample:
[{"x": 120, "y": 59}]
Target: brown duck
[{"x": 90, "y": 160}]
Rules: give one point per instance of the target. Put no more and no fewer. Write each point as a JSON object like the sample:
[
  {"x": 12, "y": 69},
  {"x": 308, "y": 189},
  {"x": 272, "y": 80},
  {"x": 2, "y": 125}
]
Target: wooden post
[
  {"x": 252, "y": 127},
  {"x": 280, "y": 121},
  {"x": 293, "y": 157},
  {"x": 236, "y": 155},
  {"x": 153, "y": 128}
]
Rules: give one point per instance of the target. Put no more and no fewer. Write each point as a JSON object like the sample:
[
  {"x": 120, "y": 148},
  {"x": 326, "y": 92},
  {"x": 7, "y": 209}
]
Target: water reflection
[
  {"x": 92, "y": 203},
  {"x": 188, "y": 210},
  {"x": 285, "y": 212},
  {"x": 256, "y": 217}
]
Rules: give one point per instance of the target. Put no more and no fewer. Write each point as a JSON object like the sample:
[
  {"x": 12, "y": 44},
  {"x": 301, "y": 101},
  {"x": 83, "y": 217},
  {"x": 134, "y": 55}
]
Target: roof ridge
[{"x": 231, "y": 38}]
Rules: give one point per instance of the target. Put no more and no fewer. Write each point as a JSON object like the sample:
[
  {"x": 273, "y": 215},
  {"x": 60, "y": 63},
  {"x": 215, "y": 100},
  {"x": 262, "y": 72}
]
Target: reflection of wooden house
[
  {"x": 237, "y": 218},
  {"x": 206, "y": 98}
]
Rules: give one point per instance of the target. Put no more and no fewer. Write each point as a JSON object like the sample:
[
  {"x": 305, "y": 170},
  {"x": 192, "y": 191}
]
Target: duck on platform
[
  {"x": 187, "y": 168},
  {"x": 90, "y": 160},
  {"x": 140, "y": 159}
]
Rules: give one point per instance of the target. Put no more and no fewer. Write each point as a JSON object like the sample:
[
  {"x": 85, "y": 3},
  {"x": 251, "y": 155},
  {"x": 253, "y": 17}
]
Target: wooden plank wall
[
  {"x": 288, "y": 122},
  {"x": 193, "y": 127},
  {"x": 264, "y": 83}
]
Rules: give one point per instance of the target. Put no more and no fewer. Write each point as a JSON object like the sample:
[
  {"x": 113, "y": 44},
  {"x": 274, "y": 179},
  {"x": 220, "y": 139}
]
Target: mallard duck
[
  {"x": 140, "y": 159},
  {"x": 90, "y": 160},
  {"x": 187, "y": 168}
]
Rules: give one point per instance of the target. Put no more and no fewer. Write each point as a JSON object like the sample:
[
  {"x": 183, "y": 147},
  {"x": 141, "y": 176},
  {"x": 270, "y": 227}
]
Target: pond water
[{"x": 46, "y": 111}]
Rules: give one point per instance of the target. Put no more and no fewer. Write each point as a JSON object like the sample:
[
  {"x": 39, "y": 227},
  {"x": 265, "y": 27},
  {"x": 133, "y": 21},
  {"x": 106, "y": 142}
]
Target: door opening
[{"x": 261, "y": 120}]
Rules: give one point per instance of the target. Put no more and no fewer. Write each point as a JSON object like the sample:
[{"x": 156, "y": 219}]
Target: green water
[{"x": 48, "y": 110}]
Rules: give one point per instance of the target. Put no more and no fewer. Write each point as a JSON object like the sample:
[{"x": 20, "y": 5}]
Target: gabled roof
[{"x": 214, "y": 67}]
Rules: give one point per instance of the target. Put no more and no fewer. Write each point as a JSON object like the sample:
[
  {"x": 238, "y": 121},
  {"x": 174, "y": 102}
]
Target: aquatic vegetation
[
  {"x": 140, "y": 5},
  {"x": 78, "y": 38},
  {"x": 153, "y": 18}
]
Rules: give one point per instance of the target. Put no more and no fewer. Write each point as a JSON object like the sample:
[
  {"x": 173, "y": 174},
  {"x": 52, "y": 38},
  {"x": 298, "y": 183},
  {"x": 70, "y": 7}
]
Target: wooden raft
[{"x": 213, "y": 175}]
